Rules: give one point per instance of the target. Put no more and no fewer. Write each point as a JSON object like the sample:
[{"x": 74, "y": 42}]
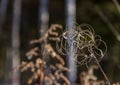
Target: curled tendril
[{"x": 82, "y": 43}]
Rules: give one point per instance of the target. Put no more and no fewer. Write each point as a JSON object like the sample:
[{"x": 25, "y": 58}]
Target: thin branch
[
  {"x": 102, "y": 70},
  {"x": 109, "y": 24},
  {"x": 117, "y": 4}
]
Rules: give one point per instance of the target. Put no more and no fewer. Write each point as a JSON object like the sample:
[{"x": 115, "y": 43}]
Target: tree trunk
[
  {"x": 70, "y": 20},
  {"x": 16, "y": 40},
  {"x": 8, "y": 67},
  {"x": 43, "y": 22},
  {"x": 43, "y": 17},
  {"x": 3, "y": 8}
]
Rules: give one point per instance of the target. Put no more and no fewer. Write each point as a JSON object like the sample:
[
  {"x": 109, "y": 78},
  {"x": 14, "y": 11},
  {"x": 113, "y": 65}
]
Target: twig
[
  {"x": 101, "y": 70},
  {"x": 109, "y": 24},
  {"x": 116, "y": 4}
]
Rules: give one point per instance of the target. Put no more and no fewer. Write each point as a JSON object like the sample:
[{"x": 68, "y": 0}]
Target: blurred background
[{"x": 23, "y": 20}]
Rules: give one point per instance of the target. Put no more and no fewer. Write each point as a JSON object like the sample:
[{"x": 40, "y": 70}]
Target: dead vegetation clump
[
  {"x": 86, "y": 47},
  {"x": 40, "y": 66}
]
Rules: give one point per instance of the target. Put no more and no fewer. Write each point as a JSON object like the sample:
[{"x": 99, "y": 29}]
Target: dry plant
[
  {"x": 84, "y": 41},
  {"x": 86, "y": 47},
  {"x": 88, "y": 78},
  {"x": 47, "y": 73},
  {"x": 116, "y": 83}
]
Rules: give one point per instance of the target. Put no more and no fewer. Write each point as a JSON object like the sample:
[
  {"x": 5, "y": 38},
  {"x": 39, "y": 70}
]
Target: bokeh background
[{"x": 102, "y": 15}]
